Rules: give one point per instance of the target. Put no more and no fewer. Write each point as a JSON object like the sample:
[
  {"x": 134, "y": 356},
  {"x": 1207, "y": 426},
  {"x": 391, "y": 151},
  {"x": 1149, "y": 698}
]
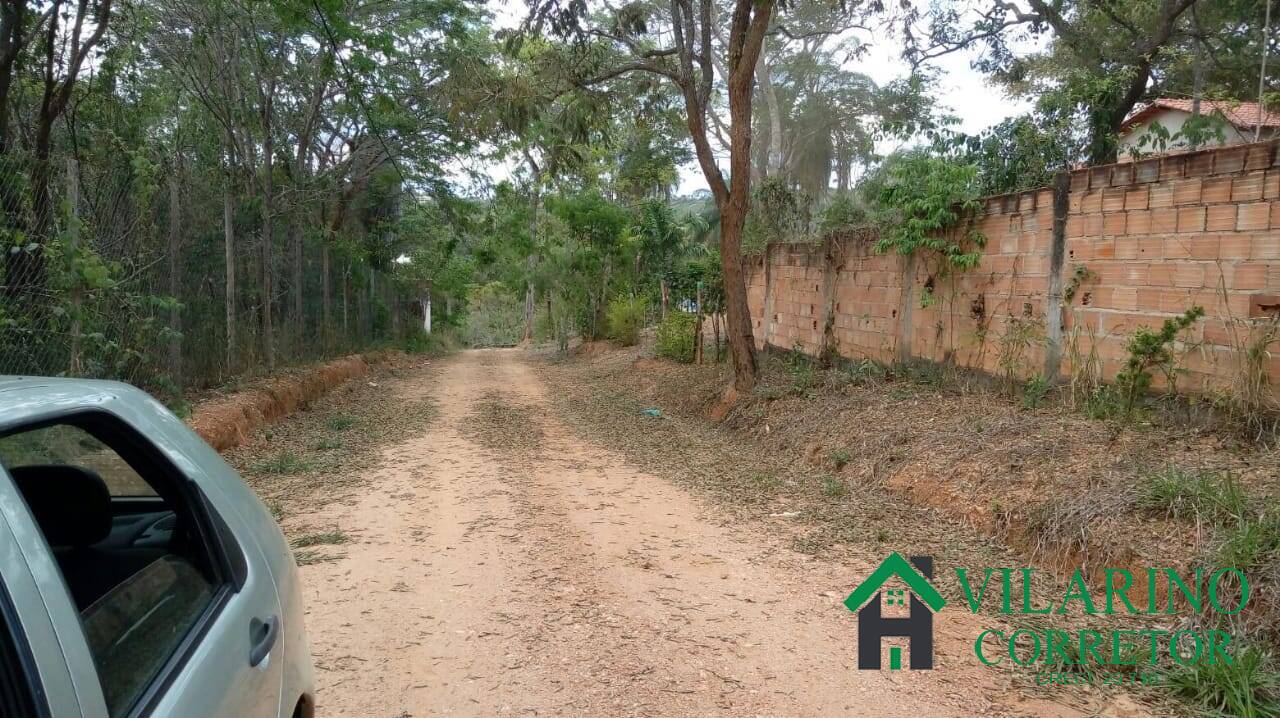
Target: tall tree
[
  {"x": 67, "y": 37},
  {"x": 1101, "y": 58},
  {"x": 679, "y": 45}
]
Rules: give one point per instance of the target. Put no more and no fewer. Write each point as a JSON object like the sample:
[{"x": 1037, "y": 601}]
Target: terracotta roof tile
[{"x": 1240, "y": 114}]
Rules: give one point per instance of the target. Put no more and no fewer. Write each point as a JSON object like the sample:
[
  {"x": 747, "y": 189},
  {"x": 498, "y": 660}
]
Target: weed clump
[
  {"x": 1213, "y": 496},
  {"x": 1248, "y": 686},
  {"x": 286, "y": 462},
  {"x": 840, "y": 458},
  {"x": 833, "y": 487},
  {"x": 1034, "y": 391},
  {"x": 340, "y": 422},
  {"x": 320, "y": 539}
]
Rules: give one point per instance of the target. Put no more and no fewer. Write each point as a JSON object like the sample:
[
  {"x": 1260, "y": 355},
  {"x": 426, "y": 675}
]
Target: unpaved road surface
[{"x": 501, "y": 565}]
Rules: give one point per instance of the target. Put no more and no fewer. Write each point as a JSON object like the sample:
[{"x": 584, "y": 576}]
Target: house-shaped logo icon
[{"x": 917, "y": 627}]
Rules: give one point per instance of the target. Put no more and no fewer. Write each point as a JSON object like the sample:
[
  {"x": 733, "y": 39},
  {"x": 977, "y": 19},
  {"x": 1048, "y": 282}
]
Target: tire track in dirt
[{"x": 503, "y": 566}]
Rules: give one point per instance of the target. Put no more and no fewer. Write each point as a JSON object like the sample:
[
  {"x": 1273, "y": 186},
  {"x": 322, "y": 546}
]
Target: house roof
[
  {"x": 1241, "y": 114},
  {"x": 895, "y": 564}
]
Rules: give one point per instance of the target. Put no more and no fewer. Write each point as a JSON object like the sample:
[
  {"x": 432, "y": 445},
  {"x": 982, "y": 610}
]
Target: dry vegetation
[
  {"x": 834, "y": 451},
  {"x": 321, "y": 455}
]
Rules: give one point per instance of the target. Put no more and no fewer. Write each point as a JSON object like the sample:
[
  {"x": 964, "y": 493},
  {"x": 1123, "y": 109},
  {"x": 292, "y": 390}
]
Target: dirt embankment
[
  {"x": 1061, "y": 488},
  {"x": 227, "y": 420}
]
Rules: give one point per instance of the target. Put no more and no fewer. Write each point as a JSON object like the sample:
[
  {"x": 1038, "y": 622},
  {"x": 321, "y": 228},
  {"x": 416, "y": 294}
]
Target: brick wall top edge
[{"x": 1158, "y": 168}]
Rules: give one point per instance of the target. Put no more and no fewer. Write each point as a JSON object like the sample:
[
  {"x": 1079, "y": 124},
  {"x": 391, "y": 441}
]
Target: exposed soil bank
[
  {"x": 228, "y": 420},
  {"x": 1058, "y": 486},
  {"x": 852, "y": 457}
]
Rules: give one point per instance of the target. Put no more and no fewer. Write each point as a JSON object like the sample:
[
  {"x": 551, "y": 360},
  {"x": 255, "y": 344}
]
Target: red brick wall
[{"x": 1154, "y": 238}]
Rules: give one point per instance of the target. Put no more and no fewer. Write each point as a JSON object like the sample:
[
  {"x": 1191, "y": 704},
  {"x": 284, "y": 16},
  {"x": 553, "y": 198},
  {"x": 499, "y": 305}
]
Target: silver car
[{"x": 139, "y": 575}]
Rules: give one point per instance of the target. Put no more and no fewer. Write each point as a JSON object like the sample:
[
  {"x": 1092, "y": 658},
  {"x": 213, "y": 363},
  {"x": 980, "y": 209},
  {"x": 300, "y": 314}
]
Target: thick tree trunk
[
  {"x": 773, "y": 157},
  {"x": 749, "y": 23},
  {"x": 738, "y": 312},
  {"x": 751, "y": 18},
  {"x": 12, "y": 22}
]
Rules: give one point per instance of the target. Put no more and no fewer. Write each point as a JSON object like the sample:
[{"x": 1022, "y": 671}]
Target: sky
[{"x": 976, "y": 101}]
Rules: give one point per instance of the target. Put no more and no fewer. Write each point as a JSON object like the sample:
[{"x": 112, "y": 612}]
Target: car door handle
[{"x": 262, "y": 637}]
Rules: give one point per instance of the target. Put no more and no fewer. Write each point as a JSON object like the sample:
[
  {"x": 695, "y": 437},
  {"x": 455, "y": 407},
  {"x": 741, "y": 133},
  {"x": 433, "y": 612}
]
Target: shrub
[
  {"x": 625, "y": 318},
  {"x": 674, "y": 338},
  {"x": 340, "y": 422},
  {"x": 1152, "y": 350},
  {"x": 925, "y": 203}
]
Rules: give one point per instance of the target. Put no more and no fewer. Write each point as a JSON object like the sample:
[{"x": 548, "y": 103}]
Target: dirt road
[{"x": 501, "y": 565}]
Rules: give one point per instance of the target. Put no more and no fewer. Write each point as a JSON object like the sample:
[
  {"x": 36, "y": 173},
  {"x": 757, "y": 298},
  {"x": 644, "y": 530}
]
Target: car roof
[{"x": 24, "y": 399}]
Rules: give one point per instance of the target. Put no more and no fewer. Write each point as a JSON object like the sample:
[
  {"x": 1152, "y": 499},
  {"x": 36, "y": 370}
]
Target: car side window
[
  {"x": 64, "y": 444},
  {"x": 128, "y": 539}
]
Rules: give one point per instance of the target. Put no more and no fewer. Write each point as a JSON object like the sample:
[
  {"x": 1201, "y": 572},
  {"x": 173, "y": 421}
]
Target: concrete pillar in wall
[
  {"x": 766, "y": 319},
  {"x": 833, "y": 250},
  {"x": 905, "y": 305},
  {"x": 1057, "y": 258}
]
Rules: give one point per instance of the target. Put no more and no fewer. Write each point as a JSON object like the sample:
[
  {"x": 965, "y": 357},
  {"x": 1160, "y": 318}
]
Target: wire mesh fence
[{"x": 146, "y": 273}]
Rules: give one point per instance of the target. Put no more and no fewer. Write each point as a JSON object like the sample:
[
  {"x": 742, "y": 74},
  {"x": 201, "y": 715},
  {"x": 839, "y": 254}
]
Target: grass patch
[
  {"x": 320, "y": 538},
  {"x": 803, "y": 372},
  {"x": 1252, "y": 542},
  {"x": 1249, "y": 687},
  {"x": 769, "y": 393},
  {"x": 840, "y": 458},
  {"x": 329, "y": 444},
  {"x": 1104, "y": 403},
  {"x": 1197, "y": 495},
  {"x": 340, "y": 422},
  {"x": 764, "y": 481},
  {"x": 307, "y": 558},
  {"x": 286, "y": 462},
  {"x": 833, "y": 487}
]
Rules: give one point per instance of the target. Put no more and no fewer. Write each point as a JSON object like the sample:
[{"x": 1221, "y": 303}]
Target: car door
[
  {"x": 236, "y": 666},
  {"x": 38, "y": 631},
  {"x": 223, "y": 658}
]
